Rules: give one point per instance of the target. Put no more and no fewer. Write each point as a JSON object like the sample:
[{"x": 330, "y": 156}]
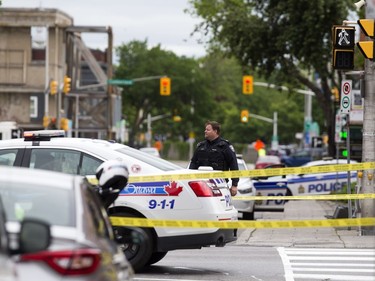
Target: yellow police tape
[
  {"x": 142, "y": 222},
  {"x": 255, "y": 172},
  {"x": 309, "y": 197}
]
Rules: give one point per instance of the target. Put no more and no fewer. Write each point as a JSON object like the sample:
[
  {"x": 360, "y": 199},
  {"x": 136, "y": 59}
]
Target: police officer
[{"x": 216, "y": 152}]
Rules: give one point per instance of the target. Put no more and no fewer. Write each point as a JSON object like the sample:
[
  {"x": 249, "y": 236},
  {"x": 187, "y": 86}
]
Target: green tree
[
  {"x": 136, "y": 60},
  {"x": 285, "y": 41},
  {"x": 203, "y": 89}
]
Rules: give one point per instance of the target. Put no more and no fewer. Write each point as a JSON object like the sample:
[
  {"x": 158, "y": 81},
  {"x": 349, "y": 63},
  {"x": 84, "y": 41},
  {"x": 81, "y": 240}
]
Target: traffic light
[
  {"x": 64, "y": 124},
  {"x": 344, "y": 152},
  {"x": 165, "y": 86},
  {"x": 53, "y": 87},
  {"x": 367, "y": 47},
  {"x": 336, "y": 94},
  {"x": 343, "y": 135},
  {"x": 46, "y": 120},
  {"x": 67, "y": 86},
  {"x": 247, "y": 85},
  {"x": 177, "y": 118},
  {"x": 343, "y": 47},
  {"x": 244, "y": 116}
]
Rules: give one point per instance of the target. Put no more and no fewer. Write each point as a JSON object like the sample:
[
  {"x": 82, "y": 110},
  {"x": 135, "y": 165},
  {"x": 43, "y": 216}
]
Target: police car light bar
[{"x": 43, "y": 134}]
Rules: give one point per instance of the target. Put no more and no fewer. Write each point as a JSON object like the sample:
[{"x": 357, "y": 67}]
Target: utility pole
[
  {"x": 149, "y": 121},
  {"x": 368, "y": 151},
  {"x": 275, "y": 138}
]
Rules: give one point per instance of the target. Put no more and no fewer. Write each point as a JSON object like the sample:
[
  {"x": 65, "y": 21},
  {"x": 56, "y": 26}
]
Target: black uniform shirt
[{"x": 218, "y": 154}]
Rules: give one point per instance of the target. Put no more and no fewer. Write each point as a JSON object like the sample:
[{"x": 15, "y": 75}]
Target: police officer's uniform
[{"x": 218, "y": 154}]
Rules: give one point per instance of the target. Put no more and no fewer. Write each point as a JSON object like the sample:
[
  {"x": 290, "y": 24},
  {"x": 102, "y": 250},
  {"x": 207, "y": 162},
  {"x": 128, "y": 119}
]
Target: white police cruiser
[
  {"x": 303, "y": 184},
  {"x": 195, "y": 199}
]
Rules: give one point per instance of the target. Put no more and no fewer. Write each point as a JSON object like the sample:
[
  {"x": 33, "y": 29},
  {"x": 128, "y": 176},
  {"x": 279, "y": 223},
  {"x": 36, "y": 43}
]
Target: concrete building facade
[{"x": 39, "y": 45}]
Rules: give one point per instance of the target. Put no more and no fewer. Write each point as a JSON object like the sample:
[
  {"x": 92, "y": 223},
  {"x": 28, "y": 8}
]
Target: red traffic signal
[
  {"x": 247, "y": 85},
  {"x": 165, "y": 86}
]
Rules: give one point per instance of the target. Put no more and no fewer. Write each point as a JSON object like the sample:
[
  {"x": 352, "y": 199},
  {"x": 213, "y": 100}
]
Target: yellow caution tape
[
  {"x": 142, "y": 222},
  {"x": 308, "y": 197},
  {"x": 256, "y": 172}
]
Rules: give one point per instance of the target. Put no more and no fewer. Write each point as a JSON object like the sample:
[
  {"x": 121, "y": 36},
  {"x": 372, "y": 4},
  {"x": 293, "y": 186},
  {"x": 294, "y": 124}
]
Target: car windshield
[
  {"x": 159, "y": 163},
  {"x": 53, "y": 205}
]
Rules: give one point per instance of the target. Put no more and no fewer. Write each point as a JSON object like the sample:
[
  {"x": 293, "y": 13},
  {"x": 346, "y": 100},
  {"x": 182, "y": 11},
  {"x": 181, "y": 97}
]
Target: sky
[{"x": 157, "y": 21}]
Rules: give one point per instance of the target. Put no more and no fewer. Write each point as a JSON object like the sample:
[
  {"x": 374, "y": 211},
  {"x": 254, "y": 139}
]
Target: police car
[
  {"x": 303, "y": 184},
  {"x": 195, "y": 199}
]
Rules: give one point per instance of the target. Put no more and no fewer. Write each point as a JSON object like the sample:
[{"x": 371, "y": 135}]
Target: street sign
[
  {"x": 120, "y": 82},
  {"x": 346, "y": 89}
]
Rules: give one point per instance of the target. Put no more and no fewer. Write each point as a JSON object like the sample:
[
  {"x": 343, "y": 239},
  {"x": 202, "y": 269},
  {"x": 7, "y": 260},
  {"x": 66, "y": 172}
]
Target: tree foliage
[
  {"x": 203, "y": 89},
  {"x": 286, "y": 41}
]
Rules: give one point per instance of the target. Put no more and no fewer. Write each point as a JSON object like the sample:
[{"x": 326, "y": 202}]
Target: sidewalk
[{"x": 304, "y": 237}]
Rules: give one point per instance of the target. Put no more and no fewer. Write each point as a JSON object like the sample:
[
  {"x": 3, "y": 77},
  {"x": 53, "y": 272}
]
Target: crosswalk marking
[{"x": 328, "y": 264}]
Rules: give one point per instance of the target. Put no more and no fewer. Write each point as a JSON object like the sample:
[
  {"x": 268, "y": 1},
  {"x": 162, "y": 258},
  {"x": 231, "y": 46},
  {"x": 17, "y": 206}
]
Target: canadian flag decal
[{"x": 173, "y": 189}]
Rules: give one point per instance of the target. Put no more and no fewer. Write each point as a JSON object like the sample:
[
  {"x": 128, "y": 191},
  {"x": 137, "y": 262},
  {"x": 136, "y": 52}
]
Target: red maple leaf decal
[{"x": 173, "y": 190}]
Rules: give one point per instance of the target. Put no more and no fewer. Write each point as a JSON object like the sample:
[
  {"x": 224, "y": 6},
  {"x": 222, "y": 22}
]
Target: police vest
[{"x": 212, "y": 155}]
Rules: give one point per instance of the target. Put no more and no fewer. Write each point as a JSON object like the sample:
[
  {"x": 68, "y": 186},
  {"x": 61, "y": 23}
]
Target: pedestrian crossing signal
[
  {"x": 247, "y": 85},
  {"x": 165, "y": 86},
  {"x": 343, "y": 42}
]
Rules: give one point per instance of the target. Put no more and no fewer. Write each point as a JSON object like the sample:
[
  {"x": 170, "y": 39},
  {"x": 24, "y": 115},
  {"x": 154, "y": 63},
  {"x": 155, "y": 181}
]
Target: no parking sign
[{"x": 346, "y": 93}]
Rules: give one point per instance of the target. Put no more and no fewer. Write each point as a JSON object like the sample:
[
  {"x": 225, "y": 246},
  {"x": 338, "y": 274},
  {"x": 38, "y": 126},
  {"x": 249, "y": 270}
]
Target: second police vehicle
[
  {"x": 170, "y": 199},
  {"x": 301, "y": 184}
]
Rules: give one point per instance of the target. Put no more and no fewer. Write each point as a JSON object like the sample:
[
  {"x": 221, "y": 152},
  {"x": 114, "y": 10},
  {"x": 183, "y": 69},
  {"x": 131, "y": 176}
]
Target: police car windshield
[{"x": 156, "y": 162}]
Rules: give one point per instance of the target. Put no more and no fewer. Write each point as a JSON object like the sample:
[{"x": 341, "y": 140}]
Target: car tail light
[
  {"x": 69, "y": 262},
  {"x": 204, "y": 189}
]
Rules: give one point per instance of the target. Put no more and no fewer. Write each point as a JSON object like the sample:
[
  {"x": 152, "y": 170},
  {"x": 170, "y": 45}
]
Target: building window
[
  {"x": 33, "y": 107},
  {"x": 38, "y": 43}
]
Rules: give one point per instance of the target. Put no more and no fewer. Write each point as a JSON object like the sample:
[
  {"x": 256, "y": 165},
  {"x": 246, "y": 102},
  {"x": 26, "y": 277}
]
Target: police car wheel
[
  {"x": 136, "y": 243},
  {"x": 156, "y": 256}
]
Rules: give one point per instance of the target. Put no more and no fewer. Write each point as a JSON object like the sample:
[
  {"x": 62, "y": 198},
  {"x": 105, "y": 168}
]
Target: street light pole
[
  {"x": 275, "y": 138},
  {"x": 308, "y": 106},
  {"x": 149, "y": 121}
]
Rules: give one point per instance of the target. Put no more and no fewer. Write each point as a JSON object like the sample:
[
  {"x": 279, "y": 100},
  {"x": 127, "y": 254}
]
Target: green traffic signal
[
  {"x": 344, "y": 153},
  {"x": 344, "y": 135}
]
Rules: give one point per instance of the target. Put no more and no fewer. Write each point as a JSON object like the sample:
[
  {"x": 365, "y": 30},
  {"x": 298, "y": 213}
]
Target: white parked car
[
  {"x": 201, "y": 199},
  {"x": 82, "y": 245},
  {"x": 34, "y": 237},
  {"x": 245, "y": 188},
  {"x": 303, "y": 184}
]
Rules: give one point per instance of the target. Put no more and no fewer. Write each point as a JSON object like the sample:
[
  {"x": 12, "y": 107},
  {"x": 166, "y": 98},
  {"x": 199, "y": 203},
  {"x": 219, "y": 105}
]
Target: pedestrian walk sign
[{"x": 343, "y": 42}]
